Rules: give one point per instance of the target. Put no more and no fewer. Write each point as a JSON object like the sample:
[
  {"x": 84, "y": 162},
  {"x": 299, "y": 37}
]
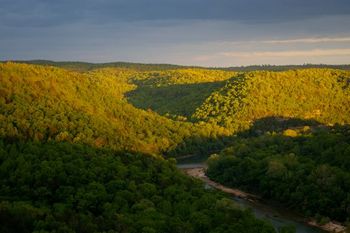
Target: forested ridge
[
  {"x": 86, "y": 66},
  {"x": 283, "y": 135},
  {"x": 319, "y": 94},
  {"x": 47, "y": 103}
]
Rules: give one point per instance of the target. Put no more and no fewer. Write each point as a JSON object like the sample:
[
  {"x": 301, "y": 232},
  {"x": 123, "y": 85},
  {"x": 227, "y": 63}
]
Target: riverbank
[{"x": 199, "y": 173}]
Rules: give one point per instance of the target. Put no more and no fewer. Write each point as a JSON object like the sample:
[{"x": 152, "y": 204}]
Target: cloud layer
[
  {"x": 43, "y": 12},
  {"x": 200, "y": 32}
]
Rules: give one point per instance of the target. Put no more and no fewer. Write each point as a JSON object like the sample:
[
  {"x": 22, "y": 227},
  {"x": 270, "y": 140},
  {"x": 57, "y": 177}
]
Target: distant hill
[
  {"x": 86, "y": 66},
  {"x": 287, "y": 67}
]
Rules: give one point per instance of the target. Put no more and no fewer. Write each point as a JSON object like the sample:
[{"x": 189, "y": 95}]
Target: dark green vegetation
[
  {"x": 306, "y": 168},
  {"x": 59, "y": 187},
  {"x": 177, "y": 101},
  {"x": 176, "y": 92}
]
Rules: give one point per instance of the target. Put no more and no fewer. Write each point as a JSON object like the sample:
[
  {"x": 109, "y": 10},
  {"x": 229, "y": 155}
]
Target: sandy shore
[
  {"x": 330, "y": 227},
  {"x": 199, "y": 173}
]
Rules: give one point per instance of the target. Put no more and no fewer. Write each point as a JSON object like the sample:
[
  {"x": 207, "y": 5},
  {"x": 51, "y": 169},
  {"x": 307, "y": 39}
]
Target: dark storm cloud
[{"x": 49, "y": 12}]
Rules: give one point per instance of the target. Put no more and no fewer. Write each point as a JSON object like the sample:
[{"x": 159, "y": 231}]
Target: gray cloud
[{"x": 49, "y": 13}]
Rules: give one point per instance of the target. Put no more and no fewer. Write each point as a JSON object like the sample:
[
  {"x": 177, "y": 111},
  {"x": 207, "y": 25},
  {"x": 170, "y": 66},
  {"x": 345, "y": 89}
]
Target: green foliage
[
  {"x": 173, "y": 100},
  {"x": 181, "y": 76},
  {"x": 287, "y": 229},
  {"x": 319, "y": 94},
  {"x": 60, "y": 187},
  {"x": 176, "y": 92},
  {"x": 308, "y": 172},
  {"x": 46, "y": 103}
]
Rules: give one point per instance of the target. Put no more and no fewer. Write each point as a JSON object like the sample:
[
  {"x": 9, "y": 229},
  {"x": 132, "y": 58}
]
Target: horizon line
[{"x": 169, "y": 64}]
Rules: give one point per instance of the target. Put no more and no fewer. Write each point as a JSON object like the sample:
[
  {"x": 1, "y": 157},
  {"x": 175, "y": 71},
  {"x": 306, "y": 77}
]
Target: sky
[{"x": 186, "y": 32}]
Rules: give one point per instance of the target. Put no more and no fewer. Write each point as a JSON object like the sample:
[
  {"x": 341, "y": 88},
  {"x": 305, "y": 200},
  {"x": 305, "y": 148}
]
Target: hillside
[
  {"x": 200, "y": 108},
  {"x": 46, "y": 103},
  {"x": 176, "y": 92},
  {"x": 319, "y": 94}
]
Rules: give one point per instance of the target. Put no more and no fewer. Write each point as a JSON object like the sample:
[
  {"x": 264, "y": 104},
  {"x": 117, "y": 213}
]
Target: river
[{"x": 276, "y": 215}]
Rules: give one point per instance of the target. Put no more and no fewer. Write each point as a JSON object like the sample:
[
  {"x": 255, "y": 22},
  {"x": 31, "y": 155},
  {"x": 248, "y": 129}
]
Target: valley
[{"x": 93, "y": 148}]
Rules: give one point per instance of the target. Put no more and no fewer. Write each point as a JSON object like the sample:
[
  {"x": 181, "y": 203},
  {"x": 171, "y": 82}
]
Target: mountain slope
[
  {"x": 319, "y": 94},
  {"x": 47, "y": 103}
]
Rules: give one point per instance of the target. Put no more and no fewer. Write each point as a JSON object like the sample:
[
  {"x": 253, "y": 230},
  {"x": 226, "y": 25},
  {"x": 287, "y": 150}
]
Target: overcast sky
[{"x": 189, "y": 32}]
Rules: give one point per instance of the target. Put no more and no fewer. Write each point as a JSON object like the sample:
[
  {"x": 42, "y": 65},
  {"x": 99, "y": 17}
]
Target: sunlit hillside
[
  {"x": 319, "y": 94},
  {"x": 46, "y": 103}
]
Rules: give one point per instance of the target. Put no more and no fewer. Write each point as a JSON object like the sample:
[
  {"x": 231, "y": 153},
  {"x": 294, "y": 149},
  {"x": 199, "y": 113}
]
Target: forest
[
  {"x": 319, "y": 94},
  {"x": 93, "y": 147},
  {"x": 305, "y": 168},
  {"x": 61, "y": 187},
  {"x": 47, "y": 103}
]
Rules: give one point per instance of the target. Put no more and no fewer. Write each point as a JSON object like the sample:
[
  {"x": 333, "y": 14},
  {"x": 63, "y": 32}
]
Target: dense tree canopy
[
  {"x": 60, "y": 187},
  {"x": 320, "y": 94},
  {"x": 46, "y": 103},
  {"x": 176, "y": 93},
  {"x": 306, "y": 169}
]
